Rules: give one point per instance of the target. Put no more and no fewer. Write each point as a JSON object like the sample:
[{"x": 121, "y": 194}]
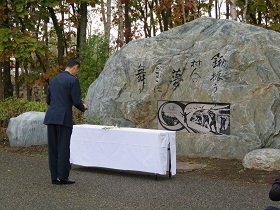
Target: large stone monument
[{"x": 205, "y": 61}]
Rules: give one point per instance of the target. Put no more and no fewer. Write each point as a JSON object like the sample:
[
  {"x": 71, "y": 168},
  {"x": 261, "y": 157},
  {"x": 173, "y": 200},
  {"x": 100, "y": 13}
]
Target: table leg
[{"x": 169, "y": 154}]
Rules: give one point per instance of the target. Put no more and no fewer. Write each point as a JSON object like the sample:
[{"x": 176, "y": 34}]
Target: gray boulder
[
  {"x": 206, "y": 60},
  {"x": 263, "y": 159},
  {"x": 27, "y": 129}
]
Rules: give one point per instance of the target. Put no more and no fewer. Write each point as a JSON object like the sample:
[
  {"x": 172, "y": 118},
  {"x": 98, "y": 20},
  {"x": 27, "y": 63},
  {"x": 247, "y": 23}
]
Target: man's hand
[{"x": 86, "y": 107}]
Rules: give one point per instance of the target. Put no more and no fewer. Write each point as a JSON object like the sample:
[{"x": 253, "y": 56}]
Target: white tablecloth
[{"x": 133, "y": 149}]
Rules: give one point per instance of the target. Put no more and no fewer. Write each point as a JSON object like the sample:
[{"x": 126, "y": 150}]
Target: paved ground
[{"x": 25, "y": 184}]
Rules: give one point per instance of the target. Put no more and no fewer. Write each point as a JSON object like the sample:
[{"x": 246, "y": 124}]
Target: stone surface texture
[
  {"x": 27, "y": 129},
  {"x": 263, "y": 159},
  {"x": 247, "y": 77}
]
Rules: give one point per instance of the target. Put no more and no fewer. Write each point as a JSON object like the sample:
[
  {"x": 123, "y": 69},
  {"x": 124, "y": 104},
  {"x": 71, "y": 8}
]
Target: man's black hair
[{"x": 73, "y": 62}]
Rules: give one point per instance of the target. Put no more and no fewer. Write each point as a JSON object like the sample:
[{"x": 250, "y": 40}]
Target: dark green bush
[{"x": 12, "y": 107}]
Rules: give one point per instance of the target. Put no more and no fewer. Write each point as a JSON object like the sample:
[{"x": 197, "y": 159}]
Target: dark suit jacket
[{"x": 63, "y": 92}]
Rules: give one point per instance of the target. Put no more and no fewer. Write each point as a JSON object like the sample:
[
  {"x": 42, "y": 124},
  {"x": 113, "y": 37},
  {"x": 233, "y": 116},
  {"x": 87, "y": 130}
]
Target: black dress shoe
[{"x": 61, "y": 181}]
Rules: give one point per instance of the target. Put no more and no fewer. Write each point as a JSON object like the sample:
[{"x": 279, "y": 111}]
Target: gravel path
[{"x": 25, "y": 184}]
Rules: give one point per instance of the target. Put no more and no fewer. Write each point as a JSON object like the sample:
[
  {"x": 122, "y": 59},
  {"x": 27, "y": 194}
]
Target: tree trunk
[
  {"x": 17, "y": 79},
  {"x": 7, "y": 82},
  {"x": 233, "y": 9},
  {"x": 61, "y": 25},
  {"x": 245, "y": 11},
  {"x": 169, "y": 13},
  {"x": 227, "y": 10},
  {"x": 165, "y": 21},
  {"x": 59, "y": 33},
  {"x": 1, "y": 82},
  {"x": 28, "y": 88},
  {"x": 266, "y": 13},
  {"x": 148, "y": 28},
  {"x": 159, "y": 17},
  {"x": 259, "y": 17},
  {"x": 121, "y": 21},
  {"x": 103, "y": 13},
  {"x": 78, "y": 40},
  {"x": 127, "y": 22},
  {"x": 83, "y": 26},
  {"x": 148, "y": 19},
  {"x": 216, "y": 9},
  {"x": 109, "y": 22},
  {"x": 184, "y": 12},
  {"x": 210, "y": 8},
  {"x": 144, "y": 14},
  {"x": 46, "y": 56},
  {"x": 198, "y": 8},
  {"x": 46, "y": 86},
  {"x": 106, "y": 16},
  {"x": 165, "y": 14},
  {"x": 45, "y": 28},
  {"x": 152, "y": 20},
  {"x": 220, "y": 6},
  {"x": 28, "y": 93}
]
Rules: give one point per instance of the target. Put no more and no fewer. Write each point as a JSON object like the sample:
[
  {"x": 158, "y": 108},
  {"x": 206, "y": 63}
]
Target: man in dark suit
[{"x": 63, "y": 92}]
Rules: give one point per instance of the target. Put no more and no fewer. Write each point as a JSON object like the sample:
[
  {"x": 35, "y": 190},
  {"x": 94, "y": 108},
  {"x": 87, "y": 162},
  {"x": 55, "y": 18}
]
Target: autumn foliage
[{"x": 38, "y": 36}]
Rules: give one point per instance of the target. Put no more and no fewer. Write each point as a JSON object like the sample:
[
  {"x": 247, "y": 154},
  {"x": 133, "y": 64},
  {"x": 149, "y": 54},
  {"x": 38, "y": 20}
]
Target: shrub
[{"x": 12, "y": 107}]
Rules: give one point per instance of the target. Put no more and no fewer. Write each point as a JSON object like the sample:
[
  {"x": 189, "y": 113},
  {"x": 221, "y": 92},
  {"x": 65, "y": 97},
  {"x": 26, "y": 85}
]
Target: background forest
[{"x": 37, "y": 37}]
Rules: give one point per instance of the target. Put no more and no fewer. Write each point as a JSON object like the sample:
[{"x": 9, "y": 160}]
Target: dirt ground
[
  {"x": 229, "y": 170},
  {"x": 215, "y": 169}
]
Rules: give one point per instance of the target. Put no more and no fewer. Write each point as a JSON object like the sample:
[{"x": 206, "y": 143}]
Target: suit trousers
[{"x": 59, "y": 151}]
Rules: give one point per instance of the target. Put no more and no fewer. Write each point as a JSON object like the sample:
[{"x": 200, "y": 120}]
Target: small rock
[
  {"x": 263, "y": 159},
  {"x": 27, "y": 129}
]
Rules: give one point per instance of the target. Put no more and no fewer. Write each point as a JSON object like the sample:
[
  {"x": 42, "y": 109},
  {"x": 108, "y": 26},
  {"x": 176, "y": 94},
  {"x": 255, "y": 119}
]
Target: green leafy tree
[{"x": 95, "y": 55}]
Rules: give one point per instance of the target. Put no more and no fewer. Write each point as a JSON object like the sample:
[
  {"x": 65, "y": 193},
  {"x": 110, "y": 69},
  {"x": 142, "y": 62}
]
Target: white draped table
[{"x": 145, "y": 150}]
